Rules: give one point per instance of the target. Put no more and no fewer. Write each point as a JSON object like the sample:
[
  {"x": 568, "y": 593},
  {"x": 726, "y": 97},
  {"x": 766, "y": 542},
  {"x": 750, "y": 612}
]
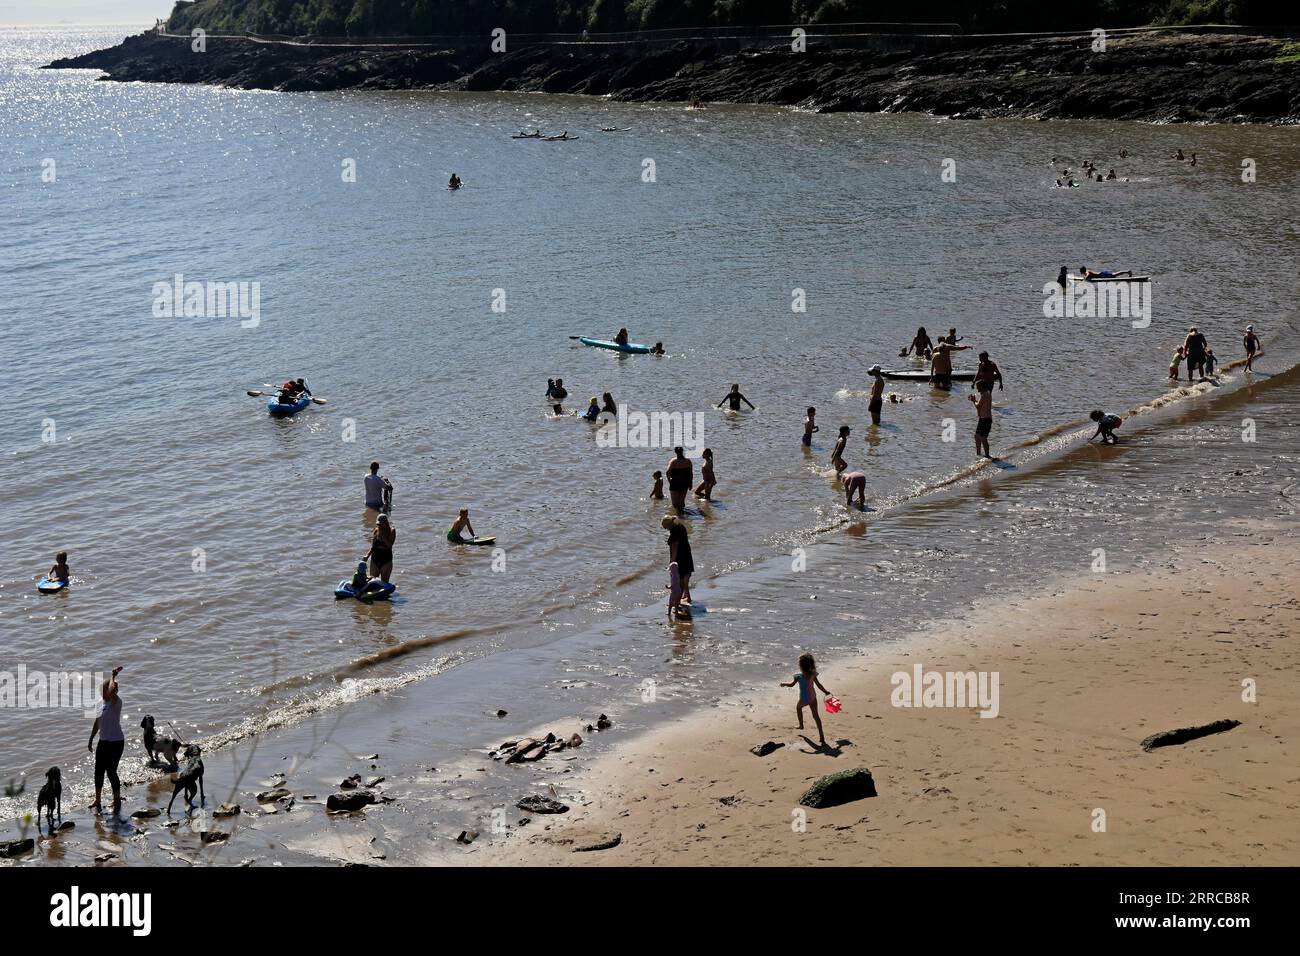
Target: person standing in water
[
  {"x": 381, "y": 549},
  {"x": 1250, "y": 342},
  {"x": 837, "y": 456},
  {"x": 734, "y": 398},
  {"x": 920, "y": 345},
  {"x": 681, "y": 475},
  {"x": 679, "y": 553},
  {"x": 809, "y": 427},
  {"x": 877, "y": 394},
  {"x": 707, "y": 481},
  {"x": 108, "y": 753},
  {"x": 1194, "y": 348},
  {"x": 986, "y": 373},
  {"x": 379, "y": 490},
  {"x": 941, "y": 362},
  {"x": 984, "y": 423},
  {"x": 454, "y": 182}
]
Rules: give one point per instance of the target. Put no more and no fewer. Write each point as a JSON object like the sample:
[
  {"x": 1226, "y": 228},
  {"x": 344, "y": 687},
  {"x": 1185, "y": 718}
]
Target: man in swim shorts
[
  {"x": 877, "y": 394},
  {"x": 941, "y": 363},
  {"x": 984, "y": 423},
  {"x": 855, "y": 481},
  {"x": 1251, "y": 344},
  {"x": 461, "y": 524},
  {"x": 681, "y": 475},
  {"x": 986, "y": 374}
]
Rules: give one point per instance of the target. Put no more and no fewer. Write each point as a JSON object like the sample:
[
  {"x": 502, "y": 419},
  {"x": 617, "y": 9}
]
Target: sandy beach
[{"x": 1087, "y": 669}]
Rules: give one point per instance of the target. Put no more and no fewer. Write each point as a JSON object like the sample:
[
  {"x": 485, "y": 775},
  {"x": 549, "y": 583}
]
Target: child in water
[
  {"x": 808, "y": 684},
  {"x": 810, "y": 427},
  {"x": 1106, "y": 425},
  {"x": 593, "y": 410},
  {"x": 59, "y": 572},
  {"x": 705, "y": 488},
  {"x": 462, "y": 523},
  {"x": 1176, "y": 361},
  {"x": 657, "y": 492},
  {"x": 1210, "y": 362},
  {"x": 674, "y": 591},
  {"x": 837, "y": 456}
]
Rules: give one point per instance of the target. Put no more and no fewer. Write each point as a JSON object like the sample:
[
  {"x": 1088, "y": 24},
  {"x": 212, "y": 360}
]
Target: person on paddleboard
[
  {"x": 734, "y": 398},
  {"x": 59, "y": 572},
  {"x": 454, "y": 182},
  {"x": 1103, "y": 274},
  {"x": 379, "y": 490},
  {"x": 621, "y": 337}
]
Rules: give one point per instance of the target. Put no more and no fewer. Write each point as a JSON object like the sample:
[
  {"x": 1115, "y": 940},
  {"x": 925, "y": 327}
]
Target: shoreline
[
  {"x": 1149, "y": 76},
  {"x": 1020, "y": 789}
]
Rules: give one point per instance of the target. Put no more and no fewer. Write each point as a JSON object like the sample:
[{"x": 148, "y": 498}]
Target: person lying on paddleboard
[
  {"x": 461, "y": 524},
  {"x": 59, "y": 572},
  {"x": 1103, "y": 274},
  {"x": 920, "y": 344},
  {"x": 1106, "y": 425},
  {"x": 734, "y": 398}
]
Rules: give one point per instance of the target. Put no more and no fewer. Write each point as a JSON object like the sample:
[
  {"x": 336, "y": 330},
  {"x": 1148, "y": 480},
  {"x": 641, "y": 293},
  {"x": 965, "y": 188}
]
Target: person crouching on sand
[{"x": 808, "y": 685}]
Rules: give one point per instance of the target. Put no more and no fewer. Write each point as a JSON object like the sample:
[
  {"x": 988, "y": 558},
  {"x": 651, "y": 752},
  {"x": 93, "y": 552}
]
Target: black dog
[
  {"x": 154, "y": 745},
  {"x": 50, "y": 797},
  {"x": 190, "y": 779}
]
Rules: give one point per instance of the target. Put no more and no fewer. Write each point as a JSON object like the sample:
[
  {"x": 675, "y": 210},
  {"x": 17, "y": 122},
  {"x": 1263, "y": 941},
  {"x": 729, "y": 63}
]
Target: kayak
[
  {"x": 1110, "y": 279},
  {"x": 379, "y": 591},
  {"x": 46, "y": 586},
  {"x": 614, "y": 346},
  {"x": 284, "y": 411},
  {"x": 921, "y": 375}
]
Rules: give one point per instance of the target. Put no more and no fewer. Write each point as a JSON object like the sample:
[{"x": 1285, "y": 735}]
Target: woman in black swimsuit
[
  {"x": 679, "y": 550},
  {"x": 681, "y": 475},
  {"x": 381, "y": 549}
]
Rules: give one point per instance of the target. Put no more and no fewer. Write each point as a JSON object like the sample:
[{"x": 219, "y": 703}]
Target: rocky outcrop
[
  {"x": 836, "y": 789},
  {"x": 1160, "y": 77}
]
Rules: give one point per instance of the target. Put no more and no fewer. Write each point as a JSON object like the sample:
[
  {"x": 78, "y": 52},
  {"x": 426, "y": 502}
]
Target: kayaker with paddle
[
  {"x": 379, "y": 490},
  {"x": 381, "y": 549},
  {"x": 296, "y": 387},
  {"x": 681, "y": 475}
]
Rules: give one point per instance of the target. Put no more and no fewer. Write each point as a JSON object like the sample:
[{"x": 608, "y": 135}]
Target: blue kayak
[
  {"x": 281, "y": 410},
  {"x": 377, "y": 591},
  {"x": 615, "y": 347}
]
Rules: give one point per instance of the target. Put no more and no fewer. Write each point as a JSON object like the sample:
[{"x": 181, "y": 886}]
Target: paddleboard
[
  {"x": 615, "y": 347},
  {"x": 482, "y": 539},
  {"x": 921, "y": 375},
  {"x": 46, "y": 586},
  {"x": 1111, "y": 279}
]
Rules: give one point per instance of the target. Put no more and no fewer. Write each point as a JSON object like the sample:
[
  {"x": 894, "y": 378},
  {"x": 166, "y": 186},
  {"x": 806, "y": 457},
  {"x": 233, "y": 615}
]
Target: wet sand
[{"x": 1088, "y": 669}]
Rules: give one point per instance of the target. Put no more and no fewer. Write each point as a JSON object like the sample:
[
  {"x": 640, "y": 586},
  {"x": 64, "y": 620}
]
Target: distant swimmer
[
  {"x": 952, "y": 338},
  {"x": 809, "y": 427},
  {"x": 1179, "y": 156},
  {"x": 555, "y": 390},
  {"x": 1106, "y": 425},
  {"x": 984, "y": 421},
  {"x": 697, "y": 103},
  {"x": 460, "y": 524},
  {"x": 707, "y": 481},
  {"x": 941, "y": 363},
  {"x": 855, "y": 482},
  {"x": 837, "y": 455},
  {"x": 621, "y": 337},
  {"x": 1193, "y": 162},
  {"x": 1123, "y": 153},
  {"x": 1250, "y": 342},
  {"x": 1194, "y": 347},
  {"x": 1174, "y": 364},
  {"x": 920, "y": 344},
  {"x": 986, "y": 374},
  {"x": 877, "y": 394},
  {"x": 734, "y": 398},
  {"x": 658, "y": 349},
  {"x": 454, "y": 182},
  {"x": 379, "y": 490}
]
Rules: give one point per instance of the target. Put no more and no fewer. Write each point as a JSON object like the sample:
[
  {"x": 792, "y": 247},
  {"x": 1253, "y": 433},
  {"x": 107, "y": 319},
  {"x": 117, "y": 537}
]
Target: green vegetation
[
  {"x": 428, "y": 17},
  {"x": 1290, "y": 53}
]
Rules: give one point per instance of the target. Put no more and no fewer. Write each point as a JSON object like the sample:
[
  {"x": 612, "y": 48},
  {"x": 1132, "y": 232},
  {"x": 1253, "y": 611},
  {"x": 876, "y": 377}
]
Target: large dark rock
[
  {"x": 16, "y": 847},
  {"x": 836, "y": 789},
  {"x": 541, "y": 805},
  {"x": 352, "y": 800}
]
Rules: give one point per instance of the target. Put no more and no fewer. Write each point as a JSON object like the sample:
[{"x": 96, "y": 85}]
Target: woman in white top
[{"x": 108, "y": 724}]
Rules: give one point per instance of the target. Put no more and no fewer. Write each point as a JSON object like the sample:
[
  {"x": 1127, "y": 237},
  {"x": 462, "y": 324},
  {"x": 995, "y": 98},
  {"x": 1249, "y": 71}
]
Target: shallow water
[{"x": 380, "y": 293}]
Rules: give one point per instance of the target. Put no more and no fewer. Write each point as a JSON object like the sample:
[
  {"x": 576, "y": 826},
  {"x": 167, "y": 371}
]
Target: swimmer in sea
[
  {"x": 855, "y": 482},
  {"x": 461, "y": 524},
  {"x": 1103, "y": 274},
  {"x": 658, "y": 349},
  {"x": 593, "y": 410},
  {"x": 837, "y": 456},
  {"x": 556, "y": 390},
  {"x": 734, "y": 398},
  {"x": 608, "y": 404},
  {"x": 809, "y": 427},
  {"x": 657, "y": 492},
  {"x": 920, "y": 345}
]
